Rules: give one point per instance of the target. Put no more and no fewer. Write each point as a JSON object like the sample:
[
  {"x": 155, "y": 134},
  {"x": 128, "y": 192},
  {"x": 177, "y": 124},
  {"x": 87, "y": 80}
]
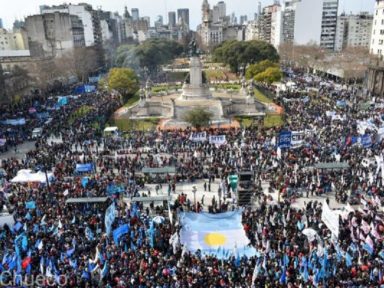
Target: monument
[{"x": 196, "y": 93}]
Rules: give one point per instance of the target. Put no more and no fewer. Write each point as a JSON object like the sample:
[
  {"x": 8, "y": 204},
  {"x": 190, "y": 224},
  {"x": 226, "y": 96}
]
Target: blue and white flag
[
  {"x": 215, "y": 234},
  {"x": 110, "y": 215},
  {"x": 89, "y": 234}
]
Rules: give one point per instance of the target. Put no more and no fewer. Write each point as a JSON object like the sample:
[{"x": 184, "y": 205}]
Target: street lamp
[{"x": 45, "y": 160}]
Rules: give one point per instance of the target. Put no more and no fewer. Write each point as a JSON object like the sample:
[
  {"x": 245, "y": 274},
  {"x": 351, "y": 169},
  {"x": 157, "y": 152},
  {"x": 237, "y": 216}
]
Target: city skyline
[{"x": 18, "y": 9}]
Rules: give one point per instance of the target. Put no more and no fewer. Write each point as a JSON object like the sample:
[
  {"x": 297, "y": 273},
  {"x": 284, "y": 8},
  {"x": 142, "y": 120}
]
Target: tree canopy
[
  {"x": 123, "y": 80},
  {"x": 270, "y": 75},
  {"x": 151, "y": 54},
  {"x": 198, "y": 117},
  {"x": 239, "y": 54},
  {"x": 260, "y": 67}
]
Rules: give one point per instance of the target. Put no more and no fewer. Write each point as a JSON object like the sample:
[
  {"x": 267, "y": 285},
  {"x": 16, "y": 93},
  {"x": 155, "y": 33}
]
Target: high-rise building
[
  {"x": 219, "y": 12},
  {"x": 171, "y": 19},
  {"x": 317, "y": 27},
  {"x": 159, "y": 22},
  {"x": 1, "y": 23},
  {"x": 183, "y": 16},
  {"x": 135, "y": 14},
  {"x": 329, "y": 24},
  {"x": 270, "y": 24},
  {"x": 222, "y": 9},
  {"x": 377, "y": 36},
  {"x": 353, "y": 31},
  {"x": 243, "y": 19}
]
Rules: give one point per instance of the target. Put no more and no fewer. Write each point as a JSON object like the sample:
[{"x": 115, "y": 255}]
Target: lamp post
[
  {"x": 194, "y": 197},
  {"x": 43, "y": 158}
]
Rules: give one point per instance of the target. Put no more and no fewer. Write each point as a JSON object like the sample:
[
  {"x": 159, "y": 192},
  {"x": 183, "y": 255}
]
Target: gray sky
[{"x": 18, "y": 9}]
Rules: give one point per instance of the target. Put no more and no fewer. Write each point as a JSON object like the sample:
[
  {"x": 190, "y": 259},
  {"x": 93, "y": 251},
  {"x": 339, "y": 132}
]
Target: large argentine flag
[{"x": 221, "y": 235}]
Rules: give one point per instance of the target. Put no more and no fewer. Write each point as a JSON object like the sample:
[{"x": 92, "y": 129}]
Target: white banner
[
  {"x": 217, "y": 140},
  {"x": 380, "y": 133},
  {"x": 330, "y": 219},
  {"x": 198, "y": 136},
  {"x": 7, "y": 219},
  {"x": 297, "y": 139}
]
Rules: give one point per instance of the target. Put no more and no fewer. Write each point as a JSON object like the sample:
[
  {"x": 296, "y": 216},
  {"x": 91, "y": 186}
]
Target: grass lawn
[
  {"x": 135, "y": 125},
  {"x": 261, "y": 97},
  {"x": 132, "y": 100},
  {"x": 245, "y": 121},
  {"x": 273, "y": 120}
]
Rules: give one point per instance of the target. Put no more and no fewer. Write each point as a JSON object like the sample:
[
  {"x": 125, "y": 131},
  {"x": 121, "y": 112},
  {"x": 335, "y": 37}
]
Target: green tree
[
  {"x": 240, "y": 54},
  {"x": 260, "y": 67},
  {"x": 125, "y": 81},
  {"x": 272, "y": 74},
  {"x": 198, "y": 117}
]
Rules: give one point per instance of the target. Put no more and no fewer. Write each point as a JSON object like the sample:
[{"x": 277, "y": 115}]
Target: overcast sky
[{"x": 18, "y": 9}]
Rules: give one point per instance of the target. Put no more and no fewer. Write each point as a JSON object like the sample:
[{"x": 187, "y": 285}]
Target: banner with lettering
[
  {"x": 198, "y": 136},
  {"x": 218, "y": 140}
]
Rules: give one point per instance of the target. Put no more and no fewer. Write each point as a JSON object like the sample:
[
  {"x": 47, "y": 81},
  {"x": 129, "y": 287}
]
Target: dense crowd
[{"x": 69, "y": 244}]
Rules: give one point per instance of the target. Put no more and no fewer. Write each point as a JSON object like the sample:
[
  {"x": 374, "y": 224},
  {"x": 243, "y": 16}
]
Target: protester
[{"x": 117, "y": 243}]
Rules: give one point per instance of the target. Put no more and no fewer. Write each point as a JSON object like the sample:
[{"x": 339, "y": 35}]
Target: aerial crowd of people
[{"x": 337, "y": 153}]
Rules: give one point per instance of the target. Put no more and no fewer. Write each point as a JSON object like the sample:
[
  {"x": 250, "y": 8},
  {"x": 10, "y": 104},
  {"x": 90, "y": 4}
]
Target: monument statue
[
  {"x": 142, "y": 94},
  {"x": 193, "y": 51},
  {"x": 148, "y": 88}
]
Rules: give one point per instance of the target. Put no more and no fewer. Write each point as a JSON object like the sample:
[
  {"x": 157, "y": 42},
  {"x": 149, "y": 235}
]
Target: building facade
[
  {"x": 306, "y": 22},
  {"x": 329, "y": 24},
  {"x": 213, "y": 33},
  {"x": 135, "y": 14},
  {"x": 377, "y": 36},
  {"x": 15, "y": 40},
  {"x": 171, "y": 20},
  {"x": 89, "y": 18},
  {"x": 270, "y": 23},
  {"x": 51, "y": 34},
  {"x": 353, "y": 31}
]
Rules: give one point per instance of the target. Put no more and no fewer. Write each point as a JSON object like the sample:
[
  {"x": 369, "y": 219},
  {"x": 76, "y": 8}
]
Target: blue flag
[
  {"x": 70, "y": 252},
  {"x": 285, "y": 138},
  {"x": 283, "y": 278},
  {"x": 105, "y": 270},
  {"x": 30, "y": 205},
  {"x": 348, "y": 259},
  {"x": 151, "y": 234},
  {"x": 84, "y": 181},
  {"x": 366, "y": 141},
  {"x": 17, "y": 226},
  {"x": 368, "y": 248},
  {"x": 120, "y": 231}
]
